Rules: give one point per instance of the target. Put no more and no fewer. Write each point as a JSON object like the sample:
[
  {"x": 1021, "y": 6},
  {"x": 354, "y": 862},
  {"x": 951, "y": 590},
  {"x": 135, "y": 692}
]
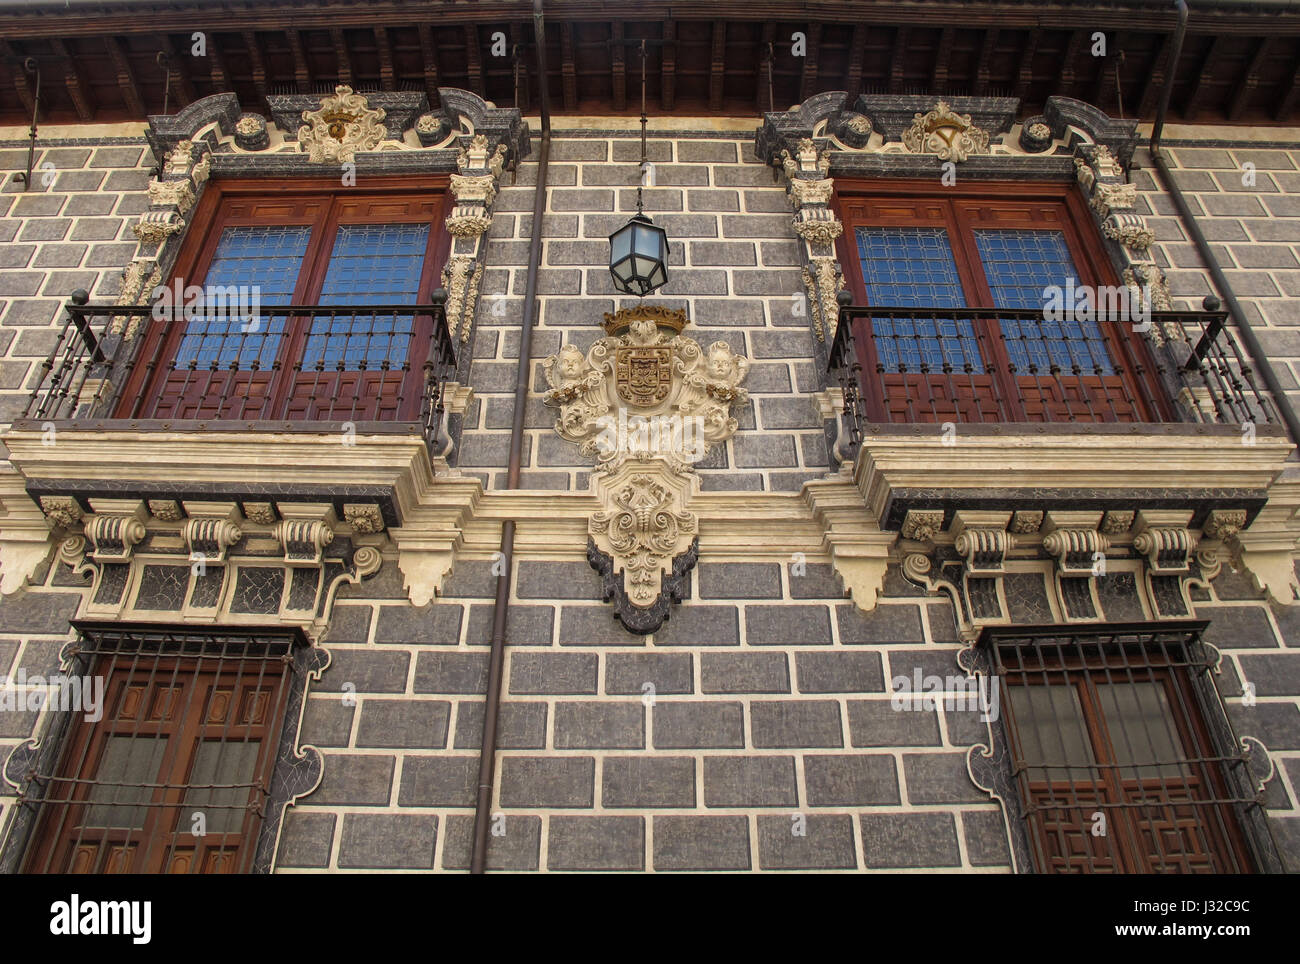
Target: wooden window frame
[
  {"x": 1058, "y": 811},
  {"x": 144, "y": 660},
  {"x": 213, "y": 213},
  {"x": 851, "y": 197}
]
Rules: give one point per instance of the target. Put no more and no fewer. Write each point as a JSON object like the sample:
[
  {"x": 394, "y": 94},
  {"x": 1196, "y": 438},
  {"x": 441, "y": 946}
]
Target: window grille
[
  {"x": 176, "y": 775},
  {"x": 1121, "y": 754}
]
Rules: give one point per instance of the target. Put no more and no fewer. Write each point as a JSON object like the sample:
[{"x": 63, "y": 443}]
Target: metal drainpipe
[
  {"x": 1203, "y": 247},
  {"x": 496, "y": 661}
]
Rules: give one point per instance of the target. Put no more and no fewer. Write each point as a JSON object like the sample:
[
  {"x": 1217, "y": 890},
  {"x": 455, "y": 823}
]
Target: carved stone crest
[
  {"x": 645, "y": 402},
  {"x": 343, "y": 125},
  {"x": 643, "y": 376},
  {"x": 945, "y": 133}
]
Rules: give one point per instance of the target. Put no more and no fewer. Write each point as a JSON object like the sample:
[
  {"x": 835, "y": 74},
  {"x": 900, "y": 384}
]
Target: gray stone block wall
[
  {"x": 1251, "y": 217},
  {"x": 754, "y": 732},
  {"x": 732, "y": 266},
  {"x": 70, "y": 230}
]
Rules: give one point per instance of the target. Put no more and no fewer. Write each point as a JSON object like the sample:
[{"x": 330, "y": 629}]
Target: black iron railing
[
  {"x": 287, "y": 364},
  {"x": 964, "y": 365}
]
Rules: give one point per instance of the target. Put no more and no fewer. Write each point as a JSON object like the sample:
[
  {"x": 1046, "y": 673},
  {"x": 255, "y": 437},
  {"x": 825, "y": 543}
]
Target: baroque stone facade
[{"x": 793, "y": 587}]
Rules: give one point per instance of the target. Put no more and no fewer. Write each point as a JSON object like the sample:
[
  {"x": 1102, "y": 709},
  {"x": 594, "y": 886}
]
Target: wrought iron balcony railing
[
  {"x": 964, "y": 365},
  {"x": 284, "y": 364}
]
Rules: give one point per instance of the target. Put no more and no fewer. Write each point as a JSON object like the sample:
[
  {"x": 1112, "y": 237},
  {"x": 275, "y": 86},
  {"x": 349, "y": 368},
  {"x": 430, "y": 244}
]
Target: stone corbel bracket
[
  {"x": 306, "y": 530},
  {"x": 1076, "y": 542},
  {"x": 210, "y": 538},
  {"x": 1168, "y": 546},
  {"x": 969, "y": 569},
  {"x": 1267, "y": 549},
  {"x": 113, "y": 529}
]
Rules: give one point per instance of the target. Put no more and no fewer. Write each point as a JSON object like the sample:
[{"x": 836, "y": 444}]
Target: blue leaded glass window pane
[
  {"x": 250, "y": 262},
  {"x": 371, "y": 264},
  {"x": 1019, "y": 264},
  {"x": 914, "y": 267}
]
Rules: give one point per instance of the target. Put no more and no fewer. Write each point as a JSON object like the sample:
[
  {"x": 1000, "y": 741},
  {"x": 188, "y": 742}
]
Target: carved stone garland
[{"x": 645, "y": 403}]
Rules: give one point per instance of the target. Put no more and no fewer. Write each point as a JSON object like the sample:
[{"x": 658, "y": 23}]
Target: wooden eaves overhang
[{"x": 99, "y": 58}]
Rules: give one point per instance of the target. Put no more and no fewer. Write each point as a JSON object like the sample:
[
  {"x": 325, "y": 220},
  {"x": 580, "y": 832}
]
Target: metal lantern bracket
[{"x": 25, "y": 179}]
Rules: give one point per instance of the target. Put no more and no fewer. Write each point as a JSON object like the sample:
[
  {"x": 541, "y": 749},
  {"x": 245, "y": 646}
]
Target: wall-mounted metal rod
[{"x": 501, "y": 607}]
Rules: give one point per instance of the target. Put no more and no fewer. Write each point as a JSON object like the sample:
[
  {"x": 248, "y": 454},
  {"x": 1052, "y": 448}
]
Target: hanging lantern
[
  {"x": 638, "y": 251},
  {"x": 638, "y": 256}
]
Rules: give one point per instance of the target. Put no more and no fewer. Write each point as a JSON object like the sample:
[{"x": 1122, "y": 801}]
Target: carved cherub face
[
  {"x": 571, "y": 363},
  {"x": 721, "y": 363}
]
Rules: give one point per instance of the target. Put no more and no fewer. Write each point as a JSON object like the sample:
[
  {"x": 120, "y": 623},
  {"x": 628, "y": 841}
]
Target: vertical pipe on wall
[{"x": 501, "y": 608}]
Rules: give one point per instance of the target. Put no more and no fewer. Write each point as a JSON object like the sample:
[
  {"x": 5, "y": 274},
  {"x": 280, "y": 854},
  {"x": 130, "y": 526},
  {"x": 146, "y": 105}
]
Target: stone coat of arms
[{"x": 645, "y": 402}]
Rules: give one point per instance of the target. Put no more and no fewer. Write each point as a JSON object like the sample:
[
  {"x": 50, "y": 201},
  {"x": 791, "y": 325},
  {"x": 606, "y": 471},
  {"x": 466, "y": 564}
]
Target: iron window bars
[
  {"x": 1121, "y": 754},
  {"x": 956, "y": 386},
  {"x": 355, "y": 366},
  {"x": 189, "y": 767}
]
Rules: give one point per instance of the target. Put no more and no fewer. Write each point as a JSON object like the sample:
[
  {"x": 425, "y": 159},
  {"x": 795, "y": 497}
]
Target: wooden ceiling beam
[
  {"x": 717, "y": 64},
  {"x": 1103, "y": 87},
  {"x": 1249, "y": 82},
  {"x": 342, "y": 57},
  {"x": 1025, "y": 73},
  {"x": 217, "y": 67},
  {"x": 13, "y": 62},
  {"x": 668, "y": 67},
  {"x": 429, "y": 58},
  {"x": 1066, "y": 78},
  {"x": 942, "y": 55},
  {"x": 73, "y": 80},
  {"x": 384, "y": 49},
  {"x": 984, "y": 66},
  {"x": 1287, "y": 103},
  {"x": 1203, "y": 79},
  {"x": 898, "y": 61},
  {"x": 568, "y": 67},
  {"x": 256, "y": 63},
  {"x": 857, "y": 56},
  {"x": 808, "y": 78},
  {"x": 618, "y": 65},
  {"x": 1160, "y": 69},
  {"x": 125, "y": 77},
  {"x": 474, "y": 61},
  {"x": 175, "y": 69},
  {"x": 301, "y": 72}
]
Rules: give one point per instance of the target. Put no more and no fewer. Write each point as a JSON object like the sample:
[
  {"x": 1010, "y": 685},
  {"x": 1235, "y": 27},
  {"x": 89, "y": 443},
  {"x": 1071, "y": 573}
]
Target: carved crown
[{"x": 622, "y": 319}]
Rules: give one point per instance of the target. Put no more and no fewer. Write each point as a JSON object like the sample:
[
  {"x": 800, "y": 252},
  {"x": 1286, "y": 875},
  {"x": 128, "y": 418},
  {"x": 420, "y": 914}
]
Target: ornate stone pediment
[
  {"x": 341, "y": 126},
  {"x": 645, "y": 402},
  {"x": 945, "y": 133}
]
